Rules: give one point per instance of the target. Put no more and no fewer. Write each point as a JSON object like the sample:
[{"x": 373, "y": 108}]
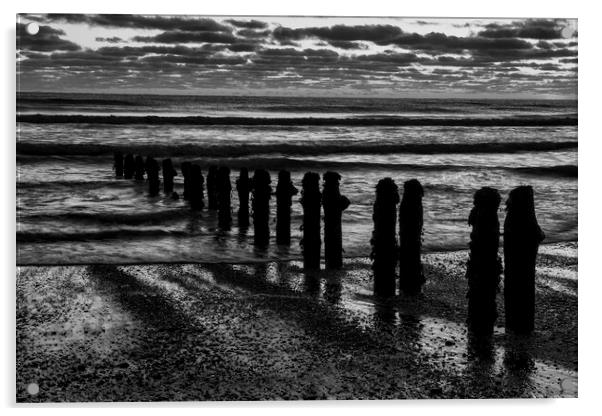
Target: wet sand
[{"x": 269, "y": 332}]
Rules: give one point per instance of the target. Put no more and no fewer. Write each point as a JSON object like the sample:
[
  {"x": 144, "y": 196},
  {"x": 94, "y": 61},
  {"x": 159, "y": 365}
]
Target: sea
[{"x": 71, "y": 209}]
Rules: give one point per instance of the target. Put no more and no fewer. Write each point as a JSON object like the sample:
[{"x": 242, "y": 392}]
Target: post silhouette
[
  {"x": 195, "y": 187},
  {"x": 261, "y": 207},
  {"x": 212, "y": 188},
  {"x": 168, "y": 174},
  {"x": 139, "y": 168},
  {"x": 284, "y": 194},
  {"x": 522, "y": 237},
  {"x": 224, "y": 216},
  {"x": 411, "y": 276},
  {"x": 310, "y": 200},
  {"x": 384, "y": 241},
  {"x": 129, "y": 166},
  {"x": 152, "y": 171},
  {"x": 334, "y": 204},
  {"x": 185, "y": 168},
  {"x": 484, "y": 265},
  {"x": 118, "y": 164},
  {"x": 243, "y": 187}
]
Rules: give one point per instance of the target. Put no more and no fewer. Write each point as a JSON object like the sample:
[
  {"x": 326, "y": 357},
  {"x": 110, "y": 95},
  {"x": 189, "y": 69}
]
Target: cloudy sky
[{"x": 388, "y": 57}]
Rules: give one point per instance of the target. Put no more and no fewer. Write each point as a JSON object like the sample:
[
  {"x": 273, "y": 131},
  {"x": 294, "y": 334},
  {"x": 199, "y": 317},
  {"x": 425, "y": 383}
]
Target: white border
[{"x": 589, "y": 189}]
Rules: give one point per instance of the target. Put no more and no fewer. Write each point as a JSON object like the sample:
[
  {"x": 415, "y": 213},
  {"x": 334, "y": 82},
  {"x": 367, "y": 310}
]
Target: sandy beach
[{"x": 267, "y": 331}]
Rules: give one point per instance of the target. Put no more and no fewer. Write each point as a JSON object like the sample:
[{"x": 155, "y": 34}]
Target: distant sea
[{"x": 72, "y": 210}]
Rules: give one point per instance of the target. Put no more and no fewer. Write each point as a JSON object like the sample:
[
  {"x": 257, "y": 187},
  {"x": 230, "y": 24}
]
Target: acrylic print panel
[{"x": 295, "y": 208}]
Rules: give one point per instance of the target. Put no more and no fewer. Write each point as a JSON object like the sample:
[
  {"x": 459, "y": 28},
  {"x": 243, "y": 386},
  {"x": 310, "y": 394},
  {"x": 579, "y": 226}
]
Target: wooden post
[
  {"x": 185, "y": 167},
  {"x": 139, "y": 168},
  {"x": 284, "y": 193},
  {"x": 243, "y": 188},
  {"x": 118, "y": 164},
  {"x": 311, "y": 242},
  {"x": 195, "y": 187},
  {"x": 129, "y": 166},
  {"x": 223, "y": 199},
  {"x": 168, "y": 174},
  {"x": 212, "y": 187},
  {"x": 334, "y": 204},
  {"x": 384, "y": 241},
  {"x": 411, "y": 276},
  {"x": 262, "y": 192},
  {"x": 522, "y": 237},
  {"x": 152, "y": 171},
  {"x": 484, "y": 265}
]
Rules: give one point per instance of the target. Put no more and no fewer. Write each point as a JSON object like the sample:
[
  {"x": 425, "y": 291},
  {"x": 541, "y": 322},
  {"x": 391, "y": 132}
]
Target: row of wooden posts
[{"x": 522, "y": 234}]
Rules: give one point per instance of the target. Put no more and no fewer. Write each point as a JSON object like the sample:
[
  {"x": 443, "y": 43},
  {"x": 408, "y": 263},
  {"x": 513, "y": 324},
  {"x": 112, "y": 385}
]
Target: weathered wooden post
[
  {"x": 212, "y": 188},
  {"x": 195, "y": 187},
  {"x": 384, "y": 242},
  {"x": 224, "y": 217},
  {"x": 243, "y": 188},
  {"x": 185, "y": 168},
  {"x": 484, "y": 265},
  {"x": 284, "y": 194},
  {"x": 118, "y": 164},
  {"x": 262, "y": 192},
  {"x": 522, "y": 237},
  {"x": 168, "y": 174},
  {"x": 334, "y": 204},
  {"x": 411, "y": 276},
  {"x": 311, "y": 242},
  {"x": 152, "y": 171},
  {"x": 139, "y": 168},
  {"x": 129, "y": 166}
]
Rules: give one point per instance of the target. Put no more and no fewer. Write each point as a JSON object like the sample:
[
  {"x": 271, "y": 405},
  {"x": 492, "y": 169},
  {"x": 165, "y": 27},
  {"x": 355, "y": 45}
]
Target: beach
[{"x": 267, "y": 331}]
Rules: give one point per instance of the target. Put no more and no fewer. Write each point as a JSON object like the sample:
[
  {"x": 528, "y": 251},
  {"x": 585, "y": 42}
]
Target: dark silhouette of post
[
  {"x": 224, "y": 216},
  {"x": 311, "y": 242},
  {"x": 334, "y": 204},
  {"x": 522, "y": 237},
  {"x": 195, "y": 187},
  {"x": 212, "y": 188},
  {"x": 168, "y": 174},
  {"x": 152, "y": 171},
  {"x": 243, "y": 187},
  {"x": 118, "y": 164},
  {"x": 384, "y": 241},
  {"x": 284, "y": 194},
  {"x": 262, "y": 192},
  {"x": 139, "y": 168},
  {"x": 411, "y": 276},
  {"x": 185, "y": 168},
  {"x": 129, "y": 166},
  {"x": 484, "y": 265}
]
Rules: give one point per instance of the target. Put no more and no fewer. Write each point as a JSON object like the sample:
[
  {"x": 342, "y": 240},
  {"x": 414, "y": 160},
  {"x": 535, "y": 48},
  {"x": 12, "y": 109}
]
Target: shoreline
[{"x": 268, "y": 331}]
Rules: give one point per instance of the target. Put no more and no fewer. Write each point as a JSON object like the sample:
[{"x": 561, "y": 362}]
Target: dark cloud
[
  {"x": 530, "y": 28},
  {"x": 46, "y": 40},
  {"x": 425, "y": 23},
  {"x": 444, "y": 43},
  {"x": 247, "y": 24},
  {"x": 249, "y": 33},
  {"x": 374, "y": 33},
  {"x": 346, "y": 44},
  {"x": 136, "y": 21},
  {"x": 178, "y": 36}
]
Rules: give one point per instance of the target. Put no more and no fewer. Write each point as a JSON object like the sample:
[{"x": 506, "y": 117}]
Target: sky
[{"x": 298, "y": 56}]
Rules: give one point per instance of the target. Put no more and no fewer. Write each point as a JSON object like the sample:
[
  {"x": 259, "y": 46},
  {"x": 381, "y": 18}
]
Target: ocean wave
[
  {"x": 302, "y": 149},
  {"x": 33, "y": 237},
  {"x": 297, "y": 121},
  {"x": 112, "y": 218}
]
